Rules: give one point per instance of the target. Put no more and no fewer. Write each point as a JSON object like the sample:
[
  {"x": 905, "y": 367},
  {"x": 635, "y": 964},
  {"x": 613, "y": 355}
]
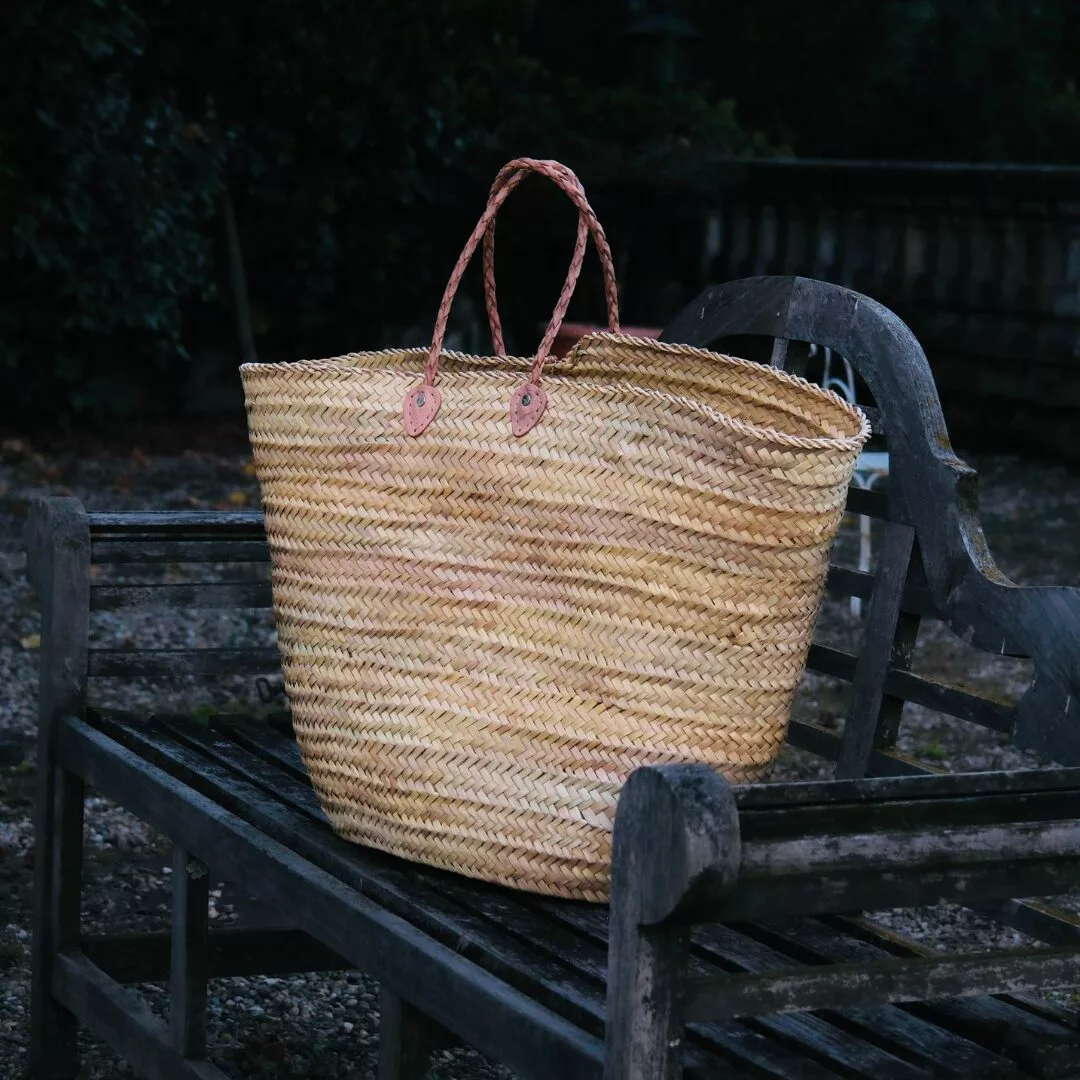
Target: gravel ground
[{"x": 325, "y": 1025}]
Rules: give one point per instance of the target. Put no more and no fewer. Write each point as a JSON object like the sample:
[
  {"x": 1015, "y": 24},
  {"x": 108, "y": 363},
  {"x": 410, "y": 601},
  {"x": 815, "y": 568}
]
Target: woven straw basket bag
[{"x": 498, "y": 594}]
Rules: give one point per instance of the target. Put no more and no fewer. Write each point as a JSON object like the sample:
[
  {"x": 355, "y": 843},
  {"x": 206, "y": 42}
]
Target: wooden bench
[{"x": 733, "y": 947}]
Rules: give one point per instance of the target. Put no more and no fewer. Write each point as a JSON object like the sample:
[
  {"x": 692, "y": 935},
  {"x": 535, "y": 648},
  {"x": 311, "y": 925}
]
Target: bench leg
[
  {"x": 407, "y": 1039},
  {"x": 57, "y": 901},
  {"x": 188, "y": 960},
  {"x": 646, "y": 966}
]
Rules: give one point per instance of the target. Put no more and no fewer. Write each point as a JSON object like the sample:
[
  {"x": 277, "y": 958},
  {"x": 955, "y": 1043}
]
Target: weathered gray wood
[
  {"x": 189, "y": 967},
  {"x": 455, "y": 992},
  {"x": 815, "y": 1041},
  {"x": 825, "y": 743},
  {"x": 130, "y": 552},
  {"x": 779, "y": 354},
  {"x": 246, "y": 594},
  {"x": 181, "y": 525},
  {"x": 676, "y": 843},
  {"x": 929, "y": 1046},
  {"x": 862, "y": 731},
  {"x": 920, "y": 690},
  {"x": 944, "y": 849},
  {"x": 843, "y": 581},
  {"x": 868, "y": 687},
  {"x": 1046, "y": 1048},
  {"x": 176, "y": 663},
  {"x": 892, "y": 705},
  {"x": 922, "y": 978},
  {"x": 407, "y": 1039},
  {"x": 906, "y": 816},
  {"x": 908, "y": 788},
  {"x": 59, "y": 550},
  {"x": 676, "y": 840},
  {"x": 120, "y": 1018}
]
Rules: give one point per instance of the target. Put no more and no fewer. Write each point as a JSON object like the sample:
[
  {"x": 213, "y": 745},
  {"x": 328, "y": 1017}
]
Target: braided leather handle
[
  {"x": 527, "y": 402},
  {"x": 606, "y": 265}
]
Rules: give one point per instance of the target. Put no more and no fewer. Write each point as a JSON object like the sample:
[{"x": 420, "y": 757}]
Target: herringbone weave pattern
[{"x": 483, "y": 635}]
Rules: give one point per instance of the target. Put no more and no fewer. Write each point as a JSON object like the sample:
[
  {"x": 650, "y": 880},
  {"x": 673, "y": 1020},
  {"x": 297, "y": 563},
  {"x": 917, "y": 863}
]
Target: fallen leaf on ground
[
  {"x": 31, "y": 641},
  {"x": 239, "y": 498}
]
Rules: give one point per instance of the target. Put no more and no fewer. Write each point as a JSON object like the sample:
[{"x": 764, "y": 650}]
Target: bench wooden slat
[
  {"x": 1049, "y": 1048},
  {"x": 120, "y": 1017},
  {"x": 912, "y": 816},
  {"x": 1036, "y": 919},
  {"x": 908, "y": 1036},
  {"x": 215, "y": 596},
  {"x": 917, "y": 979},
  {"x": 800, "y": 793},
  {"x": 919, "y": 690},
  {"x": 818, "y": 740},
  {"x": 175, "y": 663},
  {"x": 816, "y": 1038},
  {"x": 1046, "y": 1047},
  {"x": 135, "y": 552},
  {"x": 176, "y": 524},
  {"x": 843, "y": 581}
]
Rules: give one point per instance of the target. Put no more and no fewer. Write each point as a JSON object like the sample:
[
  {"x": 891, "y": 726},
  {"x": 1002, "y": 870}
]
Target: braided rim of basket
[{"x": 563, "y": 369}]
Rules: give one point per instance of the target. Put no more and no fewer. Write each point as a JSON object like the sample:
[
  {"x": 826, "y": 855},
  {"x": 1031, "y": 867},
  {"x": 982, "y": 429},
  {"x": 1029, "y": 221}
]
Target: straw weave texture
[{"x": 483, "y": 635}]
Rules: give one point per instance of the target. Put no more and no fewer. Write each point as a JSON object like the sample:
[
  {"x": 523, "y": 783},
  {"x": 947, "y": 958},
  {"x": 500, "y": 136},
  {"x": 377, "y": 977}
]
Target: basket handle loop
[{"x": 527, "y": 402}]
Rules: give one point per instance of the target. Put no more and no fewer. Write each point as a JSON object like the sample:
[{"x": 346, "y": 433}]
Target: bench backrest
[{"x": 933, "y": 563}]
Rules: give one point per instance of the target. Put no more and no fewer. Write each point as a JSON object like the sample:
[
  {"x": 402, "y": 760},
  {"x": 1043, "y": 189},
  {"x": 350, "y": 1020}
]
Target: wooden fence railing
[{"x": 982, "y": 261}]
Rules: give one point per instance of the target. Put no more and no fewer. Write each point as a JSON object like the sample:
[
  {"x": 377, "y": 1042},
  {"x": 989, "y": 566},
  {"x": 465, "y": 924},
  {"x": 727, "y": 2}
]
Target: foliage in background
[
  {"x": 946, "y": 80},
  {"x": 357, "y": 141},
  {"x": 107, "y": 194}
]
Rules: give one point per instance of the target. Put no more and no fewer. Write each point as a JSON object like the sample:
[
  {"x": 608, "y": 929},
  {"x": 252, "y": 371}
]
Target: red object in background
[{"x": 570, "y": 333}]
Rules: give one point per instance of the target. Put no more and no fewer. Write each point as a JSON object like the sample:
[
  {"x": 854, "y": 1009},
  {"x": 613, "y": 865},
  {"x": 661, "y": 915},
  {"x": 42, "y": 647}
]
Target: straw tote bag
[{"x": 503, "y": 584}]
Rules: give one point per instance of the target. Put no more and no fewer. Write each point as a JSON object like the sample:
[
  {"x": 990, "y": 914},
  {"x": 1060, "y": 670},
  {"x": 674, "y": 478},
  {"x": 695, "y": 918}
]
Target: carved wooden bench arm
[
  {"x": 929, "y": 489},
  {"x": 691, "y": 847}
]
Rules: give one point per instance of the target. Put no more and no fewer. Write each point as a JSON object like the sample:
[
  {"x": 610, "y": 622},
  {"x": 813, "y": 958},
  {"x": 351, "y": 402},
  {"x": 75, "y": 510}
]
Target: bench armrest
[{"x": 691, "y": 848}]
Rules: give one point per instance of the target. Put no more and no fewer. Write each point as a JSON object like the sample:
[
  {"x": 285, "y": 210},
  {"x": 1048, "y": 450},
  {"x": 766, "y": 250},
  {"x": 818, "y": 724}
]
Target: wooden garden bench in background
[{"x": 733, "y": 947}]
